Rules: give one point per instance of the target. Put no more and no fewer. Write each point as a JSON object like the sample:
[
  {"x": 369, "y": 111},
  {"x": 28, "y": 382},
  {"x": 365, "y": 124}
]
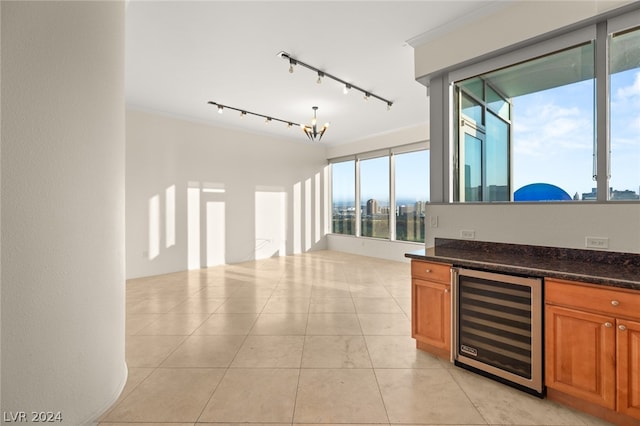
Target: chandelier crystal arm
[{"x": 367, "y": 93}]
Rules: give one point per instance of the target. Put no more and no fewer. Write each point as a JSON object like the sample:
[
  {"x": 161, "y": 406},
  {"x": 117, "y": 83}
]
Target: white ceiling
[{"x": 182, "y": 54}]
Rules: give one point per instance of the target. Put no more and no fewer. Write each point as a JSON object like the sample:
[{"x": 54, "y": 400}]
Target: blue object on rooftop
[{"x": 541, "y": 192}]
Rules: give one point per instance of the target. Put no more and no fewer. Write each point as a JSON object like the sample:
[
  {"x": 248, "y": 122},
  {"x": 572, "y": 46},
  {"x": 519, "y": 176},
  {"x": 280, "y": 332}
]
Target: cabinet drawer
[
  {"x": 430, "y": 271},
  {"x": 621, "y": 303}
]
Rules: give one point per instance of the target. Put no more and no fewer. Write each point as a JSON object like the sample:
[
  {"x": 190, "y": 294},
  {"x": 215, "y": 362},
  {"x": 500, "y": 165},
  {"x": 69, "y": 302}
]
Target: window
[
  {"x": 374, "y": 197},
  {"x": 558, "y": 119},
  {"x": 526, "y": 132},
  {"x": 343, "y": 190},
  {"x": 411, "y": 194},
  {"x": 392, "y": 190},
  {"x": 624, "y": 113}
]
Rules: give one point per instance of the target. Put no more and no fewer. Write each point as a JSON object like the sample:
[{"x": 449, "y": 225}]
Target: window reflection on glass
[
  {"x": 343, "y": 190},
  {"x": 374, "y": 197},
  {"x": 412, "y": 194},
  {"x": 624, "y": 68}
]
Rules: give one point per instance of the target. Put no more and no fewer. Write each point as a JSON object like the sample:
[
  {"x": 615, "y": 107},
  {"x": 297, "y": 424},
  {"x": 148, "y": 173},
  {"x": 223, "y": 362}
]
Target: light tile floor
[{"x": 318, "y": 338}]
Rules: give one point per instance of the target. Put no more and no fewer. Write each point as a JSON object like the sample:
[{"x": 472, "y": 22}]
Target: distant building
[
  {"x": 614, "y": 194},
  {"x": 624, "y": 195},
  {"x": 593, "y": 195},
  {"x": 372, "y": 207}
]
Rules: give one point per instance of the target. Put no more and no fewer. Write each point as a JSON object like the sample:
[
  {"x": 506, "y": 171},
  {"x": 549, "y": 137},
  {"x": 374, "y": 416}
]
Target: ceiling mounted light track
[
  {"x": 311, "y": 131},
  {"x": 321, "y": 74}
]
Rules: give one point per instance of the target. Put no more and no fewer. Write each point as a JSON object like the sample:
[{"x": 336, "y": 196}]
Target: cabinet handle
[
  {"x": 428, "y": 271},
  {"x": 608, "y": 324},
  {"x": 615, "y": 303},
  {"x": 446, "y": 290},
  {"x": 622, "y": 327}
]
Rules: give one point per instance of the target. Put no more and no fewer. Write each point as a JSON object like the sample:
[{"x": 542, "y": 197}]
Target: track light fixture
[
  {"x": 322, "y": 74},
  {"x": 311, "y": 131}
]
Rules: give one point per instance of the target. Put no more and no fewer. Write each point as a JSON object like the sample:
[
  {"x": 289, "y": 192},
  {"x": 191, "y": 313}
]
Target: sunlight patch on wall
[
  {"x": 297, "y": 216},
  {"x": 213, "y": 188},
  {"x": 216, "y": 242},
  {"x": 270, "y": 223},
  {"x": 317, "y": 210},
  {"x": 193, "y": 225},
  {"x": 170, "y": 216},
  {"x": 307, "y": 215},
  {"x": 154, "y": 227}
]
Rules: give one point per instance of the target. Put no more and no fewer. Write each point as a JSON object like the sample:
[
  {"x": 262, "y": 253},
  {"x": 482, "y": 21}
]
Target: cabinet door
[
  {"x": 580, "y": 355},
  {"x": 628, "y": 342},
  {"x": 431, "y": 313}
]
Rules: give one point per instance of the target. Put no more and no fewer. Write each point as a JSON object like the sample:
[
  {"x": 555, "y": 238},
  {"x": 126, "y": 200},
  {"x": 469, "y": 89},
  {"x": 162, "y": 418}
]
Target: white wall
[
  {"x": 387, "y": 140},
  {"x": 275, "y": 188},
  {"x": 542, "y": 224},
  {"x": 509, "y": 23},
  {"x": 62, "y": 208},
  {"x": 384, "y": 249}
]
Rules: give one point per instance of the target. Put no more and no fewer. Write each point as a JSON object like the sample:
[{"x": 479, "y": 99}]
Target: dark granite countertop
[{"x": 592, "y": 266}]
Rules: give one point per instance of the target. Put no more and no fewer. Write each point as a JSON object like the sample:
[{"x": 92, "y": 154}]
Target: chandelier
[{"x": 312, "y": 131}]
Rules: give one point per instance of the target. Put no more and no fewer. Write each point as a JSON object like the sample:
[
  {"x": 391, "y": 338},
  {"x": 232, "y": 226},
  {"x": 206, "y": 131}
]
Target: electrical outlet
[
  {"x": 434, "y": 221},
  {"x": 596, "y": 242},
  {"x": 467, "y": 234}
]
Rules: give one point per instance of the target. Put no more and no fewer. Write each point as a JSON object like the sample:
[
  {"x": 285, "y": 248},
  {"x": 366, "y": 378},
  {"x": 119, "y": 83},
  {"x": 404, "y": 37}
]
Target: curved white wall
[{"x": 62, "y": 204}]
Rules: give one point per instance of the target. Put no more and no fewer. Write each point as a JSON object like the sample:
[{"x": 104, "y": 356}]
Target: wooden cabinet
[
  {"x": 580, "y": 355},
  {"x": 431, "y": 307},
  {"x": 592, "y": 354},
  {"x": 628, "y": 377}
]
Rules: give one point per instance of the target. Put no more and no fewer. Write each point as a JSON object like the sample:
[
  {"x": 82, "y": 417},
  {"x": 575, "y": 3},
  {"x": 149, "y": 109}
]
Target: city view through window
[{"x": 411, "y": 183}]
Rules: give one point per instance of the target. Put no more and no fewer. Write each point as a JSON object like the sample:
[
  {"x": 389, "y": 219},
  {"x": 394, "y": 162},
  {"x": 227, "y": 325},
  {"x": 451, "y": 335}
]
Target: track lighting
[
  {"x": 322, "y": 74},
  {"x": 311, "y": 131},
  {"x": 346, "y": 89}
]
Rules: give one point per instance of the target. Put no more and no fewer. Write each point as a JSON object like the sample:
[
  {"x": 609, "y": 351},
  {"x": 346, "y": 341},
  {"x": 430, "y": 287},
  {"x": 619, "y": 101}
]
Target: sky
[{"x": 554, "y": 135}]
